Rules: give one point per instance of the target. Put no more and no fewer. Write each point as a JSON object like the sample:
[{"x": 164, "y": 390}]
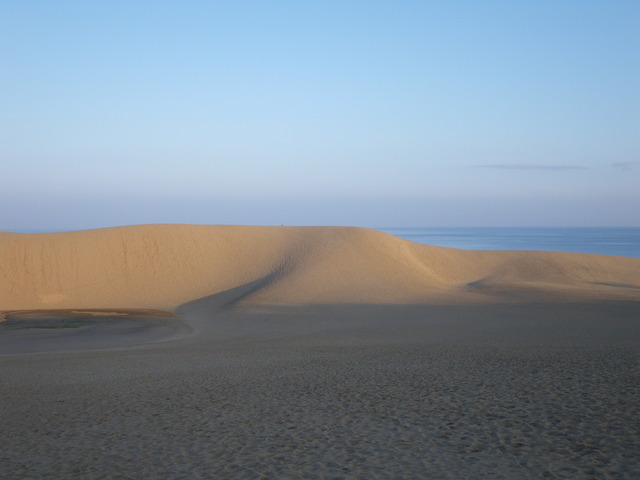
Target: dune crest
[{"x": 206, "y": 267}]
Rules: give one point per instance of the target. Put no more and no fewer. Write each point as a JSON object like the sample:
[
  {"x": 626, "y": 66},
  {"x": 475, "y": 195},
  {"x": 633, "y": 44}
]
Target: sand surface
[
  {"x": 40, "y": 331},
  {"x": 313, "y": 353},
  {"x": 200, "y": 268}
]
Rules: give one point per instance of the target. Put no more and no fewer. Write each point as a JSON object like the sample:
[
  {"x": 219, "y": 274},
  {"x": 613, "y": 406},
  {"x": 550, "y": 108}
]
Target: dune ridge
[{"x": 202, "y": 268}]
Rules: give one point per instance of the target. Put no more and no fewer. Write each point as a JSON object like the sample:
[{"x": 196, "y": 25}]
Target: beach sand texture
[{"x": 313, "y": 352}]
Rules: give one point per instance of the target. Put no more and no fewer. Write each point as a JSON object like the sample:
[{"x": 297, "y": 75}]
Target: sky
[{"x": 369, "y": 113}]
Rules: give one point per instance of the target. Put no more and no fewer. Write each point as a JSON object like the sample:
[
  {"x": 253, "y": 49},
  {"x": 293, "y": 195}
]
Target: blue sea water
[{"x": 620, "y": 241}]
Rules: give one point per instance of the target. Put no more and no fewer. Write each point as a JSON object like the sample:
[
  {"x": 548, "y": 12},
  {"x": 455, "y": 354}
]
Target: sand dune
[
  {"x": 313, "y": 353},
  {"x": 201, "y": 268}
]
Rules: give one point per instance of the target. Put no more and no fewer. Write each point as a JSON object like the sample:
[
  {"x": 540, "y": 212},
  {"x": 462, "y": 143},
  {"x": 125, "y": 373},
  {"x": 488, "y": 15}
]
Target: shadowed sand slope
[{"x": 206, "y": 267}]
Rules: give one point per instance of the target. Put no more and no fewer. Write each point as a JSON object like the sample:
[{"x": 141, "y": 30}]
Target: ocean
[{"x": 620, "y": 241}]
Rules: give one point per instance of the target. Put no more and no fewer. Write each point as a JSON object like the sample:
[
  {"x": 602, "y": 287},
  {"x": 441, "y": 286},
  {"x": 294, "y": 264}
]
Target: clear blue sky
[{"x": 372, "y": 113}]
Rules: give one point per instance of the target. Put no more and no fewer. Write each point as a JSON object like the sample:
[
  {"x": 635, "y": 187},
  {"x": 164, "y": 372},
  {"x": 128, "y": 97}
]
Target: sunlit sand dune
[
  {"x": 169, "y": 266},
  {"x": 312, "y": 353}
]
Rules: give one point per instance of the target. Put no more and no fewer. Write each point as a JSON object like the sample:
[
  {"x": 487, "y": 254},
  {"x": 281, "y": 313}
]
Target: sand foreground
[{"x": 313, "y": 353}]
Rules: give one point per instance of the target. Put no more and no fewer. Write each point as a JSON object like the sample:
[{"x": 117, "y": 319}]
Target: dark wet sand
[
  {"x": 40, "y": 331},
  {"x": 358, "y": 391}
]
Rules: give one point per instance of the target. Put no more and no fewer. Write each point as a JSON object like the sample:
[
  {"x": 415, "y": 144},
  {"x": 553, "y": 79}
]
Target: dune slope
[{"x": 203, "y": 268}]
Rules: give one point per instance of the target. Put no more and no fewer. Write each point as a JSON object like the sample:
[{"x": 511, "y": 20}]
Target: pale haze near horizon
[{"x": 405, "y": 113}]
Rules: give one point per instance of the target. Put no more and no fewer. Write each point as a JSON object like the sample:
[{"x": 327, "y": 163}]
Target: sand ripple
[{"x": 338, "y": 399}]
